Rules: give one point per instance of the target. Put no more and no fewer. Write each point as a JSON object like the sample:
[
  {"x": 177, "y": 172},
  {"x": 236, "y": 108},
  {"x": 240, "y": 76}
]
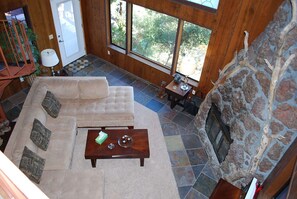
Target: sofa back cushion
[
  {"x": 63, "y": 88},
  {"x": 93, "y": 88}
]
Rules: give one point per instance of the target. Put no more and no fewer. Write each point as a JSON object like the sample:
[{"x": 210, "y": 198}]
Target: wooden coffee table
[{"x": 138, "y": 149}]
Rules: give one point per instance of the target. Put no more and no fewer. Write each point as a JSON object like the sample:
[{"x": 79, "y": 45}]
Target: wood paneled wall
[
  {"x": 228, "y": 25},
  {"x": 42, "y": 24}
]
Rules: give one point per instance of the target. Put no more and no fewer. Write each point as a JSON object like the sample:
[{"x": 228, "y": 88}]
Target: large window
[
  {"x": 169, "y": 42},
  {"x": 118, "y": 22},
  {"x": 153, "y": 35},
  {"x": 192, "y": 50}
]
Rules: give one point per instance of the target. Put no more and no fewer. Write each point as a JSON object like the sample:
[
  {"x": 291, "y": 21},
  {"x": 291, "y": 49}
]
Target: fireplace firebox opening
[{"x": 218, "y": 133}]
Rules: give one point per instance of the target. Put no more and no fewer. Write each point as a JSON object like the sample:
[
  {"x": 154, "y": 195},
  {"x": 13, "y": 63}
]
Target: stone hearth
[{"x": 242, "y": 95}]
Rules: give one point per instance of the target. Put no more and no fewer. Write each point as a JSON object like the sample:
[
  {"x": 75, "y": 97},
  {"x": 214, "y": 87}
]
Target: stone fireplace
[
  {"x": 256, "y": 95},
  {"x": 218, "y": 133}
]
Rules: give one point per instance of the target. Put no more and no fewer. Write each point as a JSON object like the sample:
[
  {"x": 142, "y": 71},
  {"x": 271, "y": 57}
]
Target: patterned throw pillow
[
  {"x": 40, "y": 135},
  {"x": 32, "y": 165},
  {"x": 51, "y": 104}
]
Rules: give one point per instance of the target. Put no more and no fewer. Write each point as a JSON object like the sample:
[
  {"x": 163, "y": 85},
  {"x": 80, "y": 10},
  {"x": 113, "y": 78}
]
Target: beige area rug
[{"x": 124, "y": 178}]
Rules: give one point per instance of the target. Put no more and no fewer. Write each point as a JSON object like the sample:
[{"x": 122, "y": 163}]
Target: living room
[{"x": 227, "y": 24}]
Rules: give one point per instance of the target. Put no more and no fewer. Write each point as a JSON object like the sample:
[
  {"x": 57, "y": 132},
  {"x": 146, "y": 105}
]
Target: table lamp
[{"x": 49, "y": 59}]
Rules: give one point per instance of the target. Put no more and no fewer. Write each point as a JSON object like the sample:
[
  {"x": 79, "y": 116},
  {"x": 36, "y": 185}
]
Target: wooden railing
[{"x": 16, "y": 58}]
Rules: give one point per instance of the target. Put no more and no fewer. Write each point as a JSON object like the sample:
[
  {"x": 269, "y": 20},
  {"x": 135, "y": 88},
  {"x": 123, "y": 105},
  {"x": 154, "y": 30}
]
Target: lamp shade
[{"x": 49, "y": 57}]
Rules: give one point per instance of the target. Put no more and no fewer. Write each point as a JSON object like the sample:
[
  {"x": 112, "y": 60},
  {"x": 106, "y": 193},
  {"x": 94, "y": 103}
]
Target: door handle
[{"x": 60, "y": 41}]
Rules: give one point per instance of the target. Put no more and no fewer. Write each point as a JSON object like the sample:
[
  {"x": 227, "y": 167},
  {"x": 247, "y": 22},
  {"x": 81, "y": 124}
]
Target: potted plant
[{"x": 32, "y": 37}]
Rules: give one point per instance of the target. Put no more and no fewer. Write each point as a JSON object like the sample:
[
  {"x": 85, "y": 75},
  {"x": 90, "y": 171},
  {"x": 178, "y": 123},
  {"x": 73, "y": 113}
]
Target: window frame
[
  {"x": 128, "y": 51},
  {"x": 143, "y": 57},
  {"x": 109, "y": 25},
  {"x": 197, "y": 5}
]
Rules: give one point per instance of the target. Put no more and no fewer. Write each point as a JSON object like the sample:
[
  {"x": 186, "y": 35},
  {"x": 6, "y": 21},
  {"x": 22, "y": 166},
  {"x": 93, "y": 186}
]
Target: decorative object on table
[
  {"x": 111, "y": 146},
  {"x": 186, "y": 71},
  {"x": 125, "y": 141},
  {"x": 185, "y": 85},
  {"x": 101, "y": 137},
  {"x": 49, "y": 59},
  {"x": 177, "y": 78}
]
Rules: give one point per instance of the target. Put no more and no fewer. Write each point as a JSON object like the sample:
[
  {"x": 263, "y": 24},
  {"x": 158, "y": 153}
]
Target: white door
[{"x": 68, "y": 25}]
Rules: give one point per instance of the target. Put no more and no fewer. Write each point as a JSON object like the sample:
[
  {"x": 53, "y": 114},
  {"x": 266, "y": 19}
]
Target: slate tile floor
[{"x": 194, "y": 177}]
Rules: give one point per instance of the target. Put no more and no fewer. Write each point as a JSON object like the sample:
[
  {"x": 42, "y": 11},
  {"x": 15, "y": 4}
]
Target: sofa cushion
[
  {"x": 93, "y": 88},
  {"x": 32, "y": 165},
  {"x": 58, "y": 86},
  {"x": 115, "y": 110},
  {"x": 51, "y": 104},
  {"x": 40, "y": 135},
  {"x": 36, "y": 97}
]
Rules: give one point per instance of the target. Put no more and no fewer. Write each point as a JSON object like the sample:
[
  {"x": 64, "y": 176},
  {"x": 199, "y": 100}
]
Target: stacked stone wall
[{"x": 243, "y": 101}]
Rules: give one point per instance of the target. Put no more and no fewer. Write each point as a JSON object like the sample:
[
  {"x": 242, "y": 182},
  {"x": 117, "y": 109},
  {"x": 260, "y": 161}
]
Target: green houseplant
[{"x": 32, "y": 37}]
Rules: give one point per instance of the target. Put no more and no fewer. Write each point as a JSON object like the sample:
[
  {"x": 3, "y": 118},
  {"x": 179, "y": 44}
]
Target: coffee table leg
[
  {"x": 93, "y": 161},
  {"x": 141, "y": 162}
]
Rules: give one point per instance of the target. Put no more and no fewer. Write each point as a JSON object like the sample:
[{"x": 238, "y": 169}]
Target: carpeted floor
[{"x": 124, "y": 178}]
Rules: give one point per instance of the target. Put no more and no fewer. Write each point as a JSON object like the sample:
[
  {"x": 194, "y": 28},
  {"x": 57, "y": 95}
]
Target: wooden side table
[
  {"x": 61, "y": 72},
  {"x": 176, "y": 94}
]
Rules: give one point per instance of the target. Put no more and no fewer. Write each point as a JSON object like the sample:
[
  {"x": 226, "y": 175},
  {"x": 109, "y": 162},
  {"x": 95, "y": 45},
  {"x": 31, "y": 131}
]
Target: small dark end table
[
  {"x": 176, "y": 94},
  {"x": 61, "y": 72},
  {"x": 138, "y": 149}
]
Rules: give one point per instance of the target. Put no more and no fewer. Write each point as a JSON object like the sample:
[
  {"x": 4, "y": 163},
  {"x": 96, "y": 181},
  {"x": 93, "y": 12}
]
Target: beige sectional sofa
[{"x": 86, "y": 102}]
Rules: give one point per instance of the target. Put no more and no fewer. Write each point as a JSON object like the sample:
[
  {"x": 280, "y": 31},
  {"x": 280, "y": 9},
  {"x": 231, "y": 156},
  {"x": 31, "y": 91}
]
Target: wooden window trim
[
  {"x": 128, "y": 27},
  {"x": 107, "y": 21},
  {"x": 138, "y": 57},
  {"x": 177, "y": 46},
  {"x": 149, "y": 62}
]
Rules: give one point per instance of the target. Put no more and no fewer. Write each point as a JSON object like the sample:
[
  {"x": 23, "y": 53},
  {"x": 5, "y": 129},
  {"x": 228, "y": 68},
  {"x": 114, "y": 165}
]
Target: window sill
[
  {"x": 151, "y": 64},
  {"x": 116, "y": 48},
  {"x": 193, "y": 83}
]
